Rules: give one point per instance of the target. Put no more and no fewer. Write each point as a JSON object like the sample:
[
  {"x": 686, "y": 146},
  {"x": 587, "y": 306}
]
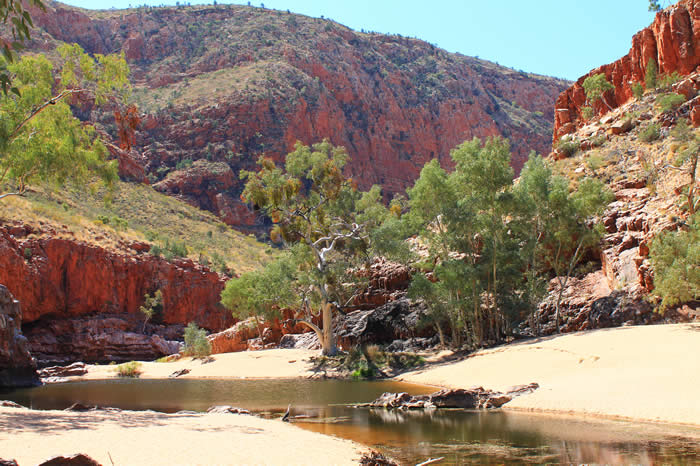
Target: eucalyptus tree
[
  {"x": 39, "y": 136},
  {"x": 320, "y": 212}
]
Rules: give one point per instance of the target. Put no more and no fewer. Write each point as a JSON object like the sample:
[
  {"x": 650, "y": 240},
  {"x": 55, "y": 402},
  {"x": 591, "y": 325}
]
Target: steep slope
[
  {"x": 672, "y": 40},
  {"x": 228, "y": 83}
]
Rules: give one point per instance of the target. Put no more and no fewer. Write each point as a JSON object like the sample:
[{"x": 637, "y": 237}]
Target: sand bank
[
  {"x": 147, "y": 437},
  {"x": 275, "y": 363},
  {"x": 648, "y": 373}
]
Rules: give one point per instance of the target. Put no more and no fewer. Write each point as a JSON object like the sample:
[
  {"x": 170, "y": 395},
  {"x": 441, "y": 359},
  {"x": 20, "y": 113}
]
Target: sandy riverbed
[
  {"x": 150, "y": 438},
  {"x": 648, "y": 373}
]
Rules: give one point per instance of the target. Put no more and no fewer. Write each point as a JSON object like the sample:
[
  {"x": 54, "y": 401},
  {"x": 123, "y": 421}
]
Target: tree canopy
[
  {"x": 320, "y": 212},
  {"x": 40, "y": 139},
  {"x": 14, "y": 12}
]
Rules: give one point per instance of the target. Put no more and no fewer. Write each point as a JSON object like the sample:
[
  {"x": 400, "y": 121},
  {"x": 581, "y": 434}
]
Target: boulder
[
  {"x": 226, "y": 410},
  {"x": 75, "y": 369},
  {"x": 17, "y": 368},
  {"x": 396, "y": 320},
  {"x": 473, "y": 398},
  {"x": 79, "y": 459}
]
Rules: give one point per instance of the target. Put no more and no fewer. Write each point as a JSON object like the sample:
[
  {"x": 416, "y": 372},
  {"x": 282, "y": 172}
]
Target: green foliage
[
  {"x": 28, "y": 253},
  {"x": 687, "y": 160},
  {"x": 19, "y": 23},
  {"x": 152, "y": 306},
  {"x": 587, "y": 113},
  {"x": 667, "y": 102},
  {"x": 196, "y": 343},
  {"x": 652, "y": 75},
  {"x": 670, "y": 79},
  {"x": 40, "y": 139},
  {"x": 129, "y": 369},
  {"x": 263, "y": 292},
  {"x": 650, "y": 133},
  {"x": 319, "y": 211},
  {"x": 637, "y": 90},
  {"x": 183, "y": 164},
  {"x": 595, "y": 87},
  {"x": 170, "y": 250},
  {"x": 675, "y": 257},
  {"x": 559, "y": 220},
  {"x": 568, "y": 146}
]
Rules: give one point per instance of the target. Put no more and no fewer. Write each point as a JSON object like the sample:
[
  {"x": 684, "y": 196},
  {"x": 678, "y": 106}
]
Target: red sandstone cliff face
[
  {"x": 673, "y": 40},
  {"x": 229, "y": 83},
  {"x": 72, "y": 279}
]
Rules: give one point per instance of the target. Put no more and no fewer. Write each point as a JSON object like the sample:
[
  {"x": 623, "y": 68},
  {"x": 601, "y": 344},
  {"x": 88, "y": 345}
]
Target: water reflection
[{"x": 410, "y": 436}]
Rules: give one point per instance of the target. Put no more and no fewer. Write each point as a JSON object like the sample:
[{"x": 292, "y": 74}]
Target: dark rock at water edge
[
  {"x": 79, "y": 459},
  {"x": 96, "y": 339},
  {"x": 17, "y": 368},
  {"x": 473, "y": 398},
  {"x": 72, "y": 370},
  {"x": 226, "y": 410}
]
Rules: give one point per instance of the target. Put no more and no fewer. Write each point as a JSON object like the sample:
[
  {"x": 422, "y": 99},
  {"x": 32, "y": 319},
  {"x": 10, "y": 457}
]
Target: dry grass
[{"x": 151, "y": 216}]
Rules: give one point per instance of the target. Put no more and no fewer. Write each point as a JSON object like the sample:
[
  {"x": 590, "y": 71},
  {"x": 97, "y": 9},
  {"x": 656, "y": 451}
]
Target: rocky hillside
[
  {"x": 223, "y": 84},
  {"x": 633, "y": 149},
  {"x": 672, "y": 41}
]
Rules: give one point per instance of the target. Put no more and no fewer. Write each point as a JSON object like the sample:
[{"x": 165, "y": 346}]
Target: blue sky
[{"x": 563, "y": 38}]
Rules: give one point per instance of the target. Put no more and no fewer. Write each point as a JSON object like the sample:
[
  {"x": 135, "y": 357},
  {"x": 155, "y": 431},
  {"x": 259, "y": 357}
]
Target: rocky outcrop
[
  {"x": 227, "y": 83},
  {"x": 386, "y": 281},
  {"x": 17, "y": 368},
  {"x": 473, "y": 398},
  {"x": 84, "y": 301},
  {"x": 396, "y": 320},
  {"x": 72, "y": 370},
  {"x": 78, "y": 279},
  {"x": 101, "y": 338},
  {"x": 673, "y": 41}
]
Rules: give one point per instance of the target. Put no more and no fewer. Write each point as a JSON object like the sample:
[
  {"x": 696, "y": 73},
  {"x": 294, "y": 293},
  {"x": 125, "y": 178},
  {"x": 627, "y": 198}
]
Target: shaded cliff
[
  {"x": 228, "y": 83},
  {"x": 672, "y": 40}
]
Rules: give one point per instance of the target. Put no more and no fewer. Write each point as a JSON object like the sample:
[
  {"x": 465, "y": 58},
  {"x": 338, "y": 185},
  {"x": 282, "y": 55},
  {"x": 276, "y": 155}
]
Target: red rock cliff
[
  {"x": 673, "y": 40},
  {"x": 63, "y": 278}
]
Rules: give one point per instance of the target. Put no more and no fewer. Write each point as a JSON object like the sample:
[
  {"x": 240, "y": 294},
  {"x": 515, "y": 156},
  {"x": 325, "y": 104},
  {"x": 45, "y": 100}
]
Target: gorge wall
[
  {"x": 81, "y": 301},
  {"x": 227, "y": 83},
  {"x": 672, "y": 40}
]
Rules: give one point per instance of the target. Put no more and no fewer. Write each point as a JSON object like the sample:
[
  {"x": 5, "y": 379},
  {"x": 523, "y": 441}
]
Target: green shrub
[
  {"x": 587, "y": 113},
  {"x": 668, "y": 102},
  {"x": 670, "y": 79},
  {"x": 637, "y": 90},
  {"x": 119, "y": 223},
  {"x": 183, "y": 164},
  {"x": 675, "y": 257},
  {"x": 652, "y": 74},
  {"x": 594, "y": 162},
  {"x": 650, "y": 133},
  {"x": 597, "y": 141},
  {"x": 196, "y": 343},
  {"x": 129, "y": 369},
  {"x": 568, "y": 147},
  {"x": 27, "y": 253}
]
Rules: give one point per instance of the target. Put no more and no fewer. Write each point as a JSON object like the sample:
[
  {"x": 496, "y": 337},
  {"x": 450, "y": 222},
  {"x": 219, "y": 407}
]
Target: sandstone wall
[{"x": 673, "y": 40}]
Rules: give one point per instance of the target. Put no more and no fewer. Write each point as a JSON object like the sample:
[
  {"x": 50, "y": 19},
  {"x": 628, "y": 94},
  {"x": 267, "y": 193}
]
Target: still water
[{"x": 459, "y": 436}]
